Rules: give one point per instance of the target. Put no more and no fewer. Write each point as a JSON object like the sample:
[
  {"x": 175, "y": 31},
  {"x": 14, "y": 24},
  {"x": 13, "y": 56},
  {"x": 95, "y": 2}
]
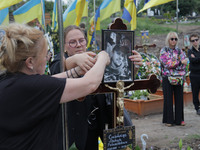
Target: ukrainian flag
[
  {"x": 85, "y": 11},
  {"x": 129, "y": 13},
  {"x": 153, "y": 3},
  {"x": 74, "y": 13},
  {"x": 146, "y": 1},
  {"x": 8, "y": 3},
  {"x": 54, "y": 16},
  {"x": 29, "y": 11},
  {"x": 105, "y": 10},
  {"x": 4, "y": 17},
  {"x": 109, "y": 7},
  {"x": 90, "y": 34}
]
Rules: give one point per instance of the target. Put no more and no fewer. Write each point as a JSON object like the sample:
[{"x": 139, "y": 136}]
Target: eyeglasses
[
  {"x": 74, "y": 43},
  {"x": 195, "y": 40},
  {"x": 174, "y": 39}
]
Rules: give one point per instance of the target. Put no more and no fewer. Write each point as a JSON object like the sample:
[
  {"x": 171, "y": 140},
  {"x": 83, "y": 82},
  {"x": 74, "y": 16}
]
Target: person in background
[
  {"x": 89, "y": 117},
  {"x": 173, "y": 63},
  {"x": 194, "y": 67},
  {"x": 30, "y": 101},
  {"x": 82, "y": 26},
  {"x": 38, "y": 26}
]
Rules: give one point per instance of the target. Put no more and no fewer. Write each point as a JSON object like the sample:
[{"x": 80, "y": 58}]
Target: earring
[{"x": 31, "y": 67}]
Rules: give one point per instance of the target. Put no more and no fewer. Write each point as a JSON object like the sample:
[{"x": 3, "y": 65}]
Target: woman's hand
[
  {"x": 104, "y": 55},
  {"x": 79, "y": 72},
  {"x": 184, "y": 61},
  {"x": 192, "y": 55},
  {"x": 136, "y": 58},
  {"x": 85, "y": 60}
]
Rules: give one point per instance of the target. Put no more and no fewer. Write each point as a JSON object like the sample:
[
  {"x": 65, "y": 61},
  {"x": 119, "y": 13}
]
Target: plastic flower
[{"x": 151, "y": 65}]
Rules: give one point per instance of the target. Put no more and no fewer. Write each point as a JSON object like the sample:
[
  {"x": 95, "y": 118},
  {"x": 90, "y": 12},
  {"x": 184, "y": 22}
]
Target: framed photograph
[
  {"x": 186, "y": 41},
  {"x": 119, "y": 45}
]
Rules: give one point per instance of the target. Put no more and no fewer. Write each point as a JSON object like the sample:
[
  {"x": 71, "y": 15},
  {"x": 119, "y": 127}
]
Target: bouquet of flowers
[{"x": 151, "y": 65}]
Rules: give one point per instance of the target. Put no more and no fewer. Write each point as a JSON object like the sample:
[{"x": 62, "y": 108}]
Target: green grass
[
  {"x": 191, "y": 137},
  {"x": 142, "y": 24},
  {"x": 153, "y": 27},
  {"x": 190, "y": 24}
]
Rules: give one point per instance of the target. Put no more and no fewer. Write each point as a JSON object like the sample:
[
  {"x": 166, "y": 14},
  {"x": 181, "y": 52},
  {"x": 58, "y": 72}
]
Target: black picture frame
[{"x": 119, "y": 45}]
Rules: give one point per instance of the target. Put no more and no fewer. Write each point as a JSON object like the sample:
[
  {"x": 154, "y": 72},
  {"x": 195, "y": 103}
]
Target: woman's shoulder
[{"x": 164, "y": 50}]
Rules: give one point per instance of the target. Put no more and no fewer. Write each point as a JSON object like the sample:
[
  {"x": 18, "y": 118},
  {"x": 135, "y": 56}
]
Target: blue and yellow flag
[
  {"x": 8, "y": 3},
  {"x": 29, "y": 11},
  {"x": 105, "y": 10},
  {"x": 85, "y": 11},
  {"x": 129, "y": 12},
  {"x": 54, "y": 15},
  {"x": 153, "y": 3},
  {"x": 90, "y": 35},
  {"x": 146, "y": 1},
  {"x": 74, "y": 13},
  {"x": 4, "y": 17},
  {"x": 109, "y": 7}
]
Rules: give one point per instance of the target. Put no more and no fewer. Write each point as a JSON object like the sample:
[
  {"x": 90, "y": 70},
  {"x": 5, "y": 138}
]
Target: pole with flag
[
  {"x": 43, "y": 16},
  {"x": 105, "y": 10},
  {"x": 129, "y": 13},
  {"x": 4, "y": 16},
  {"x": 29, "y": 11},
  {"x": 177, "y": 11},
  {"x": 74, "y": 13},
  {"x": 153, "y": 3},
  {"x": 54, "y": 15},
  {"x": 8, "y": 3}
]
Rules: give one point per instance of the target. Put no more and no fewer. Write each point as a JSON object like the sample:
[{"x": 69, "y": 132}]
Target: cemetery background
[{"x": 160, "y": 136}]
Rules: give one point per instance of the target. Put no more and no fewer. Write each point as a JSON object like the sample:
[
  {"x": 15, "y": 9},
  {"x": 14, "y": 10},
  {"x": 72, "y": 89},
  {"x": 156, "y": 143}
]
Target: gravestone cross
[{"x": 151, "y": 84}]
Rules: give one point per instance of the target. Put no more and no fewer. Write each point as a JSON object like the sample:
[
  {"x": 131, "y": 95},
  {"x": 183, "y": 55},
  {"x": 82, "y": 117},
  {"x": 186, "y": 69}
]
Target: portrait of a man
[{"x": 118, "y": 45}]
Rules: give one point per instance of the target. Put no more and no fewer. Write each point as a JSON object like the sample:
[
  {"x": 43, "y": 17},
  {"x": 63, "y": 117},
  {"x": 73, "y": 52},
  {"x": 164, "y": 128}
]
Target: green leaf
[
  {"x": 188, "y": 148},
  {"x": 137, "y": 148},
  {"x": 73, "y": 147},
  {"x": 180, "y": 144}
]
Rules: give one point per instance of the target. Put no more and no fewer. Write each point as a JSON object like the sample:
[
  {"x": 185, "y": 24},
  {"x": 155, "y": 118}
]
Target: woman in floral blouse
[{"x": 173, "y": 64}]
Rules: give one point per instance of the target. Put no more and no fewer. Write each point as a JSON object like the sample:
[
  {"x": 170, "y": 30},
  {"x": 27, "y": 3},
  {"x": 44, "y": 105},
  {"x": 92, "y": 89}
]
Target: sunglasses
[
  {"x": 194, "y": 40},
  {"x": 174, "y": 39}
]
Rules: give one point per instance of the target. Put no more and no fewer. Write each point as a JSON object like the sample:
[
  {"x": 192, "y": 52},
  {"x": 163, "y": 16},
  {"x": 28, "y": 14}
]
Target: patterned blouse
[{"x": 171, "y": 62}]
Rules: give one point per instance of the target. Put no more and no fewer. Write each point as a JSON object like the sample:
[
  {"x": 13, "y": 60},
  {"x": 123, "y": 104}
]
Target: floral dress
[{"x": 171, "y": 62}]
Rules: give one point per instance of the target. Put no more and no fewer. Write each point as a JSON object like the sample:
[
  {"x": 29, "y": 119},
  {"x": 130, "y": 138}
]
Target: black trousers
[
  {"x": 195, "y": 83},
  {"x": 169, "y": 115}
]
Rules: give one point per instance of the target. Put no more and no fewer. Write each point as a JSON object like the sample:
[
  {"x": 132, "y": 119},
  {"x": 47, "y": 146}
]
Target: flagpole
[
  {"x": 61, "y": 44},
  {"x": 177, "y": 11},
  {"x": 43, "y": 16},
  {"x": 94, "y": 28}
]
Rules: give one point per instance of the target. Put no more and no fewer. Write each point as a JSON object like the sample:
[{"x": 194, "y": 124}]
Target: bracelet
[
  {"x": 67, "y": 74},
  {"x": 71, "y": 73},
  {"x": 76, "y": 73}
]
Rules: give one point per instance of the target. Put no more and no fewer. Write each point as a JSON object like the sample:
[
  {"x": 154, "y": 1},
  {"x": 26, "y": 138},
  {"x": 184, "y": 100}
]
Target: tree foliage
[{"x": 186, "y": 7}]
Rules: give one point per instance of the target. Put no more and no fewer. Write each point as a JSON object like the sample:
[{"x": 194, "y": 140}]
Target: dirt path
[{"x": 160, "y": 136}]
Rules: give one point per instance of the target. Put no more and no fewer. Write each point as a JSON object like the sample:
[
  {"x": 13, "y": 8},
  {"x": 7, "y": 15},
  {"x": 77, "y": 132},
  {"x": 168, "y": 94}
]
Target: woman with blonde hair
[
  {"x": 173, "y": 64},
  {"x": 30, "y": 101}
]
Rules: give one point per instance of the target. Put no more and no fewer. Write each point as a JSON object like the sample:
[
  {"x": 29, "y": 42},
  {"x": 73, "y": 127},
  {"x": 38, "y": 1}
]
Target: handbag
[{"x": 175, "y": 80}]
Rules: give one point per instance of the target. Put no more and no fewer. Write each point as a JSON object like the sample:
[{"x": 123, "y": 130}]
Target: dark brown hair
[{"x": 193, "y": 35}]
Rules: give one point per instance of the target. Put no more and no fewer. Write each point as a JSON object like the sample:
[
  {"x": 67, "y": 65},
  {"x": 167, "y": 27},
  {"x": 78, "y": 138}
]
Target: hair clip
[{"x": 2, "y": 35}]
